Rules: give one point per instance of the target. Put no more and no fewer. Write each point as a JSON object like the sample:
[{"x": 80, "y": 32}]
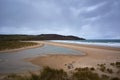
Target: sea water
[{"x": 99, "y": 42}]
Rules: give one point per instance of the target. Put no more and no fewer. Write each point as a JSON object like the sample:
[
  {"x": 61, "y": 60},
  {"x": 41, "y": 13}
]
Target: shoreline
[
  {"x": 83, "y": 45},
  {"x": 23, "y": 48},
  {"x": 94, "y": 55},
  {"x": 106, "y": 44}
]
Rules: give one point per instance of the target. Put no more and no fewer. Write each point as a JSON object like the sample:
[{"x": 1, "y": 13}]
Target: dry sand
[{"x": 94, "y": 55}]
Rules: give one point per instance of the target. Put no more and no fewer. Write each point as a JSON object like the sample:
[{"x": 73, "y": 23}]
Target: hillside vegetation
[
  {"x": 38, "y": 37},
  {"x": 6, "y": 45}
]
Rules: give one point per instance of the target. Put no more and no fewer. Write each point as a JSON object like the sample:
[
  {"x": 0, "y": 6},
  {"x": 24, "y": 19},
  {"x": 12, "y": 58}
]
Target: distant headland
[{"x": 10, "y": 37}]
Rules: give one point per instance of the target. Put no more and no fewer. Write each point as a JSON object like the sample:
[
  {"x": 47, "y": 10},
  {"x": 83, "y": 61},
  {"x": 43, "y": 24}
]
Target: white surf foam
[{"x": 110, "y": 44}]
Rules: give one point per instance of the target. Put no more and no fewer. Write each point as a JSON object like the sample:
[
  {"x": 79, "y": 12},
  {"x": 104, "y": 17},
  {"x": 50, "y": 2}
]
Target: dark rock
[{"x": 70, "y": 66}]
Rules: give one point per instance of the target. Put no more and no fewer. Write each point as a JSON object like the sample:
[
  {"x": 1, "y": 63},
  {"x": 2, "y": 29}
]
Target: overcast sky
[{"x": 91, "y": 19}]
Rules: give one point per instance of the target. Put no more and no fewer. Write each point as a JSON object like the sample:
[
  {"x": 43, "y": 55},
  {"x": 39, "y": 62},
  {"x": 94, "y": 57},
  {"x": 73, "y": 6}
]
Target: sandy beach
[{"x": 94, "y": 55}]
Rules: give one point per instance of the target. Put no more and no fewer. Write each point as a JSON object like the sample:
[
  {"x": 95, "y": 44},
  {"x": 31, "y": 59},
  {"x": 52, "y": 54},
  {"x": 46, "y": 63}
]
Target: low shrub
[
  {"x": 112, "y": 64},
  {"x": 46, "y": 74},
  {"x": 84, "y": 74},
  {"x": 92, "y": 68},
  {"x": 118, "y": 64},
  {"x": 109, "y": 70},
  {"x": 102, "y": 69},
  {"x": 104, "y": 77},
  {"x": 115, "y": 78},
  {"x": 53, "y": 74}
]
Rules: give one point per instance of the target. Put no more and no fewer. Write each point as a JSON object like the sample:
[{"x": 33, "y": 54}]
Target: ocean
[{"x": 99, "y": 42}]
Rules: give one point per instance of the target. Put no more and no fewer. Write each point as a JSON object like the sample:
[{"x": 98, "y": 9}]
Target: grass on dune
[
  {"x": 6, "y": 45},
  {"x": 46, "y": 74},
  {"x": 54, "y": 74}
]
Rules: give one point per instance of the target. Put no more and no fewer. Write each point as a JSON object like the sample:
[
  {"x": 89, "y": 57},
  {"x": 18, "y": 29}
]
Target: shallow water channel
[{"x": 13, "y": 62}]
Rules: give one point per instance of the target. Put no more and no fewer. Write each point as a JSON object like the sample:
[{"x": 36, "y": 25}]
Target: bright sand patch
[{"x": 94, "y": 55}]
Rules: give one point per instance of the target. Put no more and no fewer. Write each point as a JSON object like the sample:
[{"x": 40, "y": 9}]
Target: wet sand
[{"x": 94, "y": 55}]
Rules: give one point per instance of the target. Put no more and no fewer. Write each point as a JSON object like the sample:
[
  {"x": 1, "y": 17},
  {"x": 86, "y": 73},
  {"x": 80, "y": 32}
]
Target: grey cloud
[{"x": 86, "y": 18}]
